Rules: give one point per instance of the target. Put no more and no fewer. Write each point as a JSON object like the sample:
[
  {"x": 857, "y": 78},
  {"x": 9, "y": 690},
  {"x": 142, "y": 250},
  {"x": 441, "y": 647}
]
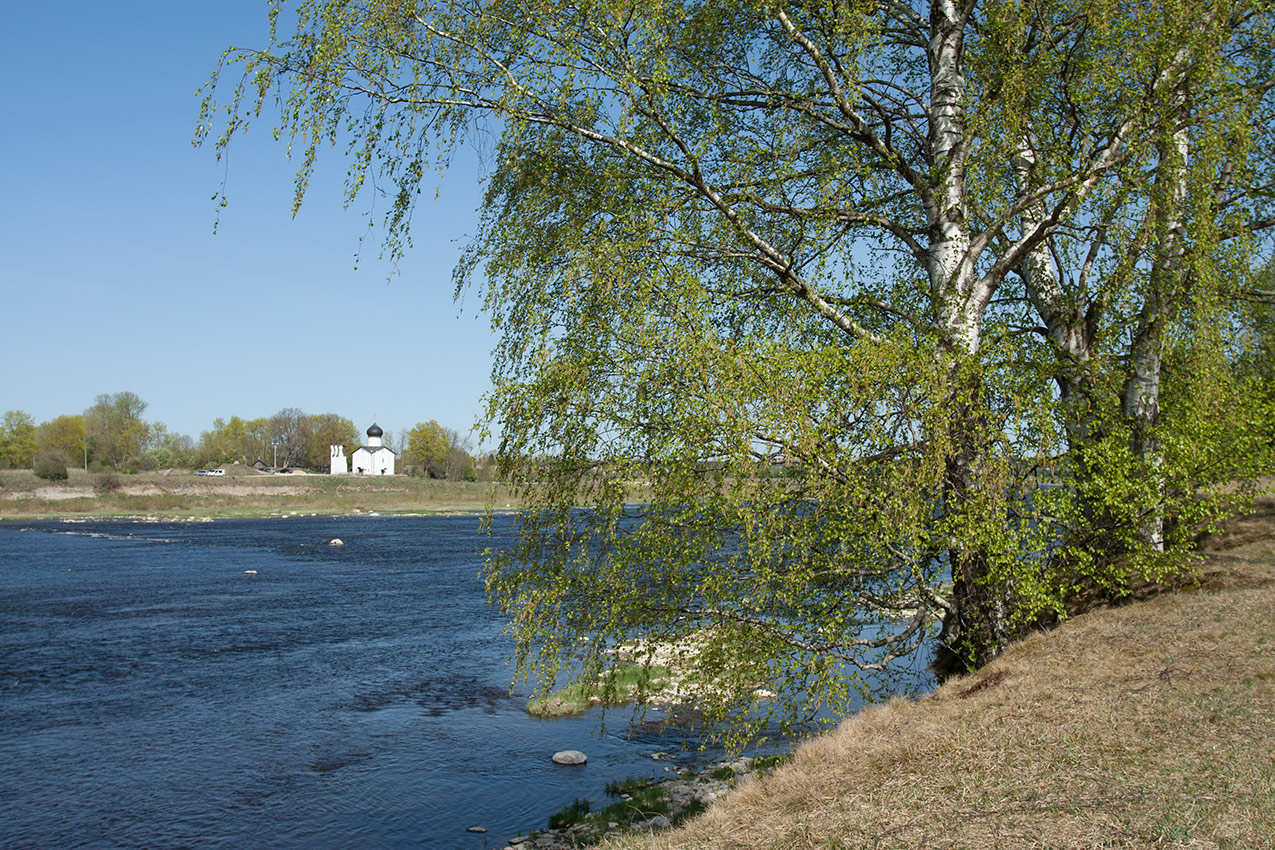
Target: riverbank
[
  {"x": 1146, "y": 725},
  {"x": 242, "y": 492},
  {"x": 668, "y": 797}
]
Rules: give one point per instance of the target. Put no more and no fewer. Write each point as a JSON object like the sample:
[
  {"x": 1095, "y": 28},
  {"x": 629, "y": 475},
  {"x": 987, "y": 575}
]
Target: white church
[{"x": 373, "y": 459}]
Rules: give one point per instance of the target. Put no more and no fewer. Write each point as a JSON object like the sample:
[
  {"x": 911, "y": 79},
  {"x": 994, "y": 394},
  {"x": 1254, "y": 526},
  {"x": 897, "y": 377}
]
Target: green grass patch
[
  {"x": 642, "y": 804},
  {"x": 628, "y": 786},
  {"x": 615, "y": 687},
  {"x": 570, "y": 815}
]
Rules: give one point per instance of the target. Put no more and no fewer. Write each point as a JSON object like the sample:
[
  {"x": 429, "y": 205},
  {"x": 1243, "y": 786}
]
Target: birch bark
[
  {"x": 976, "y": 628},
  {"x": 1141, "y": 397}
]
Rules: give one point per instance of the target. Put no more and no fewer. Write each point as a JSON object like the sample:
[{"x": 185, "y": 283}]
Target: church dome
[{"x": 375, "y": 431}]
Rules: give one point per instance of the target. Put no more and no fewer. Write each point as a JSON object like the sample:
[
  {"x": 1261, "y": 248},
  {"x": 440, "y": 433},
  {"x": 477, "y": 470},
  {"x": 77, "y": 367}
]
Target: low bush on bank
[
  {"x": 106, "y": 483},
  {"x": 50, "y": 468}
]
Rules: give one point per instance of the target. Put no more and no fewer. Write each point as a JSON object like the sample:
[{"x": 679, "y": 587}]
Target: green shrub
[{"x": 50, "y": 468}]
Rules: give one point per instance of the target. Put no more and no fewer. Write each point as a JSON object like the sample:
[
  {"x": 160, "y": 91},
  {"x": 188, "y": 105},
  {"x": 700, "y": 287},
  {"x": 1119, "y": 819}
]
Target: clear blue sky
[{"x": 111, "y": 278}]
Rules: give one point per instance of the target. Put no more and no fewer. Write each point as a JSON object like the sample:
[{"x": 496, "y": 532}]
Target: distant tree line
[
  {"x": 289, "y": 438},
  {"x": 112, "y": 434}
]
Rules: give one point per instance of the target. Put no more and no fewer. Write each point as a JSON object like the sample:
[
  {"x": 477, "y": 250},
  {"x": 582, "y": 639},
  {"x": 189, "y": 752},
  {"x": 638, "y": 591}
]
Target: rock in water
[
  {"x": 477, "y": 829},
  {"x": 336, "y": 541},
  {"x": 570, "y": 757}
]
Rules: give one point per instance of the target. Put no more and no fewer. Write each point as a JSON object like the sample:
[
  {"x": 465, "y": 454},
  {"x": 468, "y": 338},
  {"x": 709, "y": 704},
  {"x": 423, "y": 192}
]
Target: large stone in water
[{"x": 570, "y": 757}]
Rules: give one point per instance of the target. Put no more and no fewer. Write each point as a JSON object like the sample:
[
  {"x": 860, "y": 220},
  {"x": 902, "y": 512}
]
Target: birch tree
[
  {"x": 742, "y": 256},
  {"x": 1148, "y": 269}
]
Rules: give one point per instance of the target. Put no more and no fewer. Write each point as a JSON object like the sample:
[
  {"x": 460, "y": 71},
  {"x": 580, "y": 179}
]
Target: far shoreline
[{"x": 243, "y": 493}]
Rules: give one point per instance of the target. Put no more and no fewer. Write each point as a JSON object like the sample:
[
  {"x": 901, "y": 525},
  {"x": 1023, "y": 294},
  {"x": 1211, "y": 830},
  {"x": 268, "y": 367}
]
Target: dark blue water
[{"x": 155, "y": 694}]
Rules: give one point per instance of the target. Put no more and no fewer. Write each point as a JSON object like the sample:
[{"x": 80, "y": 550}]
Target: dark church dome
[{"x": 375, "y": 431}]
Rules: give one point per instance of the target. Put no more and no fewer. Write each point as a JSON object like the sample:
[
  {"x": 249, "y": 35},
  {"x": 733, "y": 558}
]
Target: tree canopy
[
  {"x": 427, "y": 448},
  {"x": 116, "y": 431},
  {"x": 884, "y": 308},
  {"x": 18, "y": 445}
]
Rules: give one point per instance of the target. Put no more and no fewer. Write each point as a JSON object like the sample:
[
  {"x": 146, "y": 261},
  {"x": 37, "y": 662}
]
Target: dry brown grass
[{"x": 1147, "y": 725}]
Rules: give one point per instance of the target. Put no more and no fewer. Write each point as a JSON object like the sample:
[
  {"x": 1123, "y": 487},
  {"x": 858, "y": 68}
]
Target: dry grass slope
[{"x": 1150, "y": 725}]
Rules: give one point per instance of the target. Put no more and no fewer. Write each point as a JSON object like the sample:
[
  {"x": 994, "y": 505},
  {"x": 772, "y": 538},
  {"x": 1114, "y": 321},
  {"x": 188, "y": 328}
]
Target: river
[{"x": 244, "y": 684}]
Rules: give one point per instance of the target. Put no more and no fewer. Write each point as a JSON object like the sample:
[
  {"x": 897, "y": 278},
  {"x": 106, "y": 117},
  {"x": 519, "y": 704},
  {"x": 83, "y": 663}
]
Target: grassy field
[
  {"x": 1151, "y": 725},
  {"x": 242, "y": 492}
]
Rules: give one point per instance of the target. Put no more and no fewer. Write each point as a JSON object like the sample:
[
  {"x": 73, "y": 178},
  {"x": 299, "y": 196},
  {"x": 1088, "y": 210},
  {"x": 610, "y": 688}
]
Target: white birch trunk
[
  {"x": 976, "y": 629},
  {"x": 1064, "y": 315},
  {"x": 1141, "y": 398},
  {"x": 950, "y": 269}
]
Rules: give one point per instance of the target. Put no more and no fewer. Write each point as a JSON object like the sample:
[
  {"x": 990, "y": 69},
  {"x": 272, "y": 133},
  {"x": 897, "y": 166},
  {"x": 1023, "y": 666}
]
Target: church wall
[
  {"x": 364, "y": 462},
  {"x": 340, "y": 463}
]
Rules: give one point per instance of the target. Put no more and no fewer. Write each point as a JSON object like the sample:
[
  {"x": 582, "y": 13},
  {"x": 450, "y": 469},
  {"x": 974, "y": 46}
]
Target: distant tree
[
  {"x": 213, "y": 443},
  {"x": 427, "y": 447},
  {"x": 115, "y": 429},
  {"x": 459, "y": 461},
  {"x": 65, "y": 437},
  {"x": 18, "y": 444},
  {"x": 234, "y": 439},
  {"x": 390, "y": 440},
  {"x": 327, "y": 430},
  {"x": 290, "y": 431},
  {"x": 487, "y": 467},
  {"x": 157, "y": 459},
  {"x": 182, "y": 448},
  {"x": 255, "y": 439}
]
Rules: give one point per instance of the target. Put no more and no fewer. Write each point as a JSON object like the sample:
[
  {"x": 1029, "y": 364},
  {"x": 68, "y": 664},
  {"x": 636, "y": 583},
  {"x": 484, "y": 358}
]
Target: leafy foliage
[
  {"x": 65, "y": 436},
  {"x": 115, "y": 428},
  {"x": 327, "y": 430},
  {"x": 427, "y": 448},
  {"x": 827, "y": 329},
  {"x": 18, "y": 445}
]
